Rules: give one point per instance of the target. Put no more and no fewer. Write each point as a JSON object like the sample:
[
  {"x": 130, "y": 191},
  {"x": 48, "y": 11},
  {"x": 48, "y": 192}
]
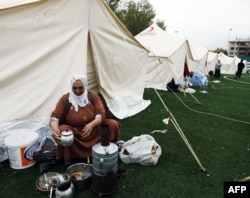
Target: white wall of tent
[{"x": 42, "y": 46}]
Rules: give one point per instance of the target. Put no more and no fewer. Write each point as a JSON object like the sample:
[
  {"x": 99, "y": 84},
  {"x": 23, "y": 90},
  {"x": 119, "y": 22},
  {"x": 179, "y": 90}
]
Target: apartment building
[{"x": 239, "y": 47}]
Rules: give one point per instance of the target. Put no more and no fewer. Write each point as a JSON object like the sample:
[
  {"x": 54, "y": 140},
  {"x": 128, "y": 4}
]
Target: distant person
[
  {"x": 241, "y": 66},
  {"x": 217, "y": 69}
]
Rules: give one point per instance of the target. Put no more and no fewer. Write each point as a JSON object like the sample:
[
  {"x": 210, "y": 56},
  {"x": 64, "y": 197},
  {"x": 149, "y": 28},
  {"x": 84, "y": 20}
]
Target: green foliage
[
  {"x": 161, "y": 24},
  {"x": 113, "y": 4},
  {"x": 218, "y": 50},
  {"x": 139, "y": 16},
  {"x": 135, "y": 15}
]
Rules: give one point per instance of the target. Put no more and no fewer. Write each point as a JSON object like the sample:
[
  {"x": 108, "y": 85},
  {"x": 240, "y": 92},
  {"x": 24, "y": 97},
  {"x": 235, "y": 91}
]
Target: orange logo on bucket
[
  {"x": 27, "y": 154},
  {"x": 24, "y": 160}
]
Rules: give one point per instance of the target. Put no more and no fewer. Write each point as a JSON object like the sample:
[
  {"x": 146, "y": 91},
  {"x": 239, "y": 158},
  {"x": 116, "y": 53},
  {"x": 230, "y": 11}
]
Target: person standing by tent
[
  {"x": 82, "y": 112},
  {"x": 217, "y": 69},
  {"x": 241, "y": 66}
]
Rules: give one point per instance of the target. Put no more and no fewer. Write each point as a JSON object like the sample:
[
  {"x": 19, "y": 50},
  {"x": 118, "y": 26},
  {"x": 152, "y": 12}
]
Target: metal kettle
[
  {"x": 65, "y": 190},
  {"x": 67, "y": 138}
]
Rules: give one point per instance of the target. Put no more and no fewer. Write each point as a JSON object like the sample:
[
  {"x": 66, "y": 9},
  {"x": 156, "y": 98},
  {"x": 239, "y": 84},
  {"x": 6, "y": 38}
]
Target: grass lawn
[{"x": 218, "y": 130}]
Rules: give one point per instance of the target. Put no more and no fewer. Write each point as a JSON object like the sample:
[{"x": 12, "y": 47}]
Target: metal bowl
[
  {"x": 42, "y": 182},
  {"x": 80, "y": 175}
]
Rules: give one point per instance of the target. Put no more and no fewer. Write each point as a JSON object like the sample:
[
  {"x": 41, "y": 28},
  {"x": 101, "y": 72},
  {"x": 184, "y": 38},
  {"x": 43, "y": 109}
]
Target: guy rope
[{"x": 179, "y": 130}]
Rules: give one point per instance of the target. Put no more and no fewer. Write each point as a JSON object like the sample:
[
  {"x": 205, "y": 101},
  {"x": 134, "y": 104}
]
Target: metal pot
[
  {"x": 67, "y": 138},
  {"x": 65, "y": 190},
  {"x": 43, "y": 182},
  {"x": 80, "y": 175},
  {"x": 105, "y": 159},
  {"x": 58, "y": 179}
]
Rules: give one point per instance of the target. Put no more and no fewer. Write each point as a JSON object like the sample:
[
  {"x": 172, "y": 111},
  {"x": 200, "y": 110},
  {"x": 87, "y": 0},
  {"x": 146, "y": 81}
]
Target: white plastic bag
[{"x": 141, "y": 149}]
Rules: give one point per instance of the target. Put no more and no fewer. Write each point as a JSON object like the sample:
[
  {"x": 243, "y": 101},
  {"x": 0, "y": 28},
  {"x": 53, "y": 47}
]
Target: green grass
[{"x": 218, "y": 130}]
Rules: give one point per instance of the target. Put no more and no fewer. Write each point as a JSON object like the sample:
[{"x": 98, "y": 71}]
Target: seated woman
[{"x": 82, "y": 112}]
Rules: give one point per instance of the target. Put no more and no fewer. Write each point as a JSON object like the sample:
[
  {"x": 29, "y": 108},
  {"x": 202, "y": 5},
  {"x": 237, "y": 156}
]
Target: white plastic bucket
[{"x": 20, "y": 147}]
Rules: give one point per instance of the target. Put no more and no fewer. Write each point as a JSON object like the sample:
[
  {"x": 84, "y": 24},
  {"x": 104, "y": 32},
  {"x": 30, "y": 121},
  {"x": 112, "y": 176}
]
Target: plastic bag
[
  {"x": 141, "y": 149},
  {"x": 45, "y": 155}
]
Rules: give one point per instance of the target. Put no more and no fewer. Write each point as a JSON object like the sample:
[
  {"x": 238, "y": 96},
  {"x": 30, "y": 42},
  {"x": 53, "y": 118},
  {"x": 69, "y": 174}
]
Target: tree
[
  {"x": 113, "y": 4},
  {"x": 218, "y": 50},
  {"x": 161, "y": 24},
  {"x": 135, "y": 15},
  {"x": 139, "y": 16}
]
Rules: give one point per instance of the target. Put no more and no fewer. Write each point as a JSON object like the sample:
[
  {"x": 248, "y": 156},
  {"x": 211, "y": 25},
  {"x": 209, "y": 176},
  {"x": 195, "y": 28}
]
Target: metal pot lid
[
  {"x": 66, "y": 133},
  {"x": 105, "y": 150}
]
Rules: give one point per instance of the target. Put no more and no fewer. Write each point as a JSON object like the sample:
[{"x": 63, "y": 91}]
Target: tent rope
[
  {"x": 178, "y": 128},
  {"x": 211, "y": 114},
  {"x": 226, "y": 77},
  {"x": 195, "y": 98}
]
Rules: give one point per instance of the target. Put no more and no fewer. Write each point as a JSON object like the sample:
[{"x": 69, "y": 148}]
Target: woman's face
[{"x": 78, "y": 88}]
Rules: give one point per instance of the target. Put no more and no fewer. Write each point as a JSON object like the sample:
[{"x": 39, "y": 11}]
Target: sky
[{"x": 206, "y": 23}]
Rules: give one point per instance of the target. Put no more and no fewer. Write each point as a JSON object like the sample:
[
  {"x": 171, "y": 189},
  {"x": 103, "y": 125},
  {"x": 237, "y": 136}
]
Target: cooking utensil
[
  {"x": 80, "y": 175},
  {"x": 65, "y": 190},
  {"x": 67, "y": 138},
  {"x": 42, "y": 182}
]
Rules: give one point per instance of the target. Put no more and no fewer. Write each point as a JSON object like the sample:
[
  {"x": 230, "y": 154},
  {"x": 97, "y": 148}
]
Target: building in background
[{"x": 239, "y": 47}]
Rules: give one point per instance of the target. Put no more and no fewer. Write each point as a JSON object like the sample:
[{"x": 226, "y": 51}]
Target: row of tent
[
  {"x": 44, "y": 43},
  {"x": 173, "y": 52}
]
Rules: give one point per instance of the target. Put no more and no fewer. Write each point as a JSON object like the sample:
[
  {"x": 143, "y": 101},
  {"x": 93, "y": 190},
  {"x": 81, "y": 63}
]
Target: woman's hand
[
  {"x": 86, "y": 131},
  {"x": 56, "y": 134}
]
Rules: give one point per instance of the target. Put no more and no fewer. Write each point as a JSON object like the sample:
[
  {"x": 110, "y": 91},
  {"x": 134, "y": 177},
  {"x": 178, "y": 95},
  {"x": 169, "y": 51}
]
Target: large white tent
[
  {"x": 168, "y": 53},
  {"x": 44, "y": 43}
]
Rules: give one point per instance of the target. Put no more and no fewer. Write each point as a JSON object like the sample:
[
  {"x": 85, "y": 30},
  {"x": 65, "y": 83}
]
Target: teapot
[
  {"x": 65, "y": 190},
  {"x": 67, "y": 138}
]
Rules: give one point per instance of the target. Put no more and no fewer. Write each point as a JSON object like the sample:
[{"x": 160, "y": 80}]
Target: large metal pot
[
  {"x": 105, "y": 159},
  {"x": 80, "y": 175}
]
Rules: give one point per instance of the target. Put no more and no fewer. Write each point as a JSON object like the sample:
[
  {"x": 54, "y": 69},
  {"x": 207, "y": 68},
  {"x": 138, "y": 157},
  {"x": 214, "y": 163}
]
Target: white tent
[
  {"x": 168, "y": 54},
  {"x": 212, "y": 59},
  {"x": 198, "y": 63},
  {"x": 44, "y": 43},
  {"x": 228, "y": 64},
  {"x": 236, "y": 62}
]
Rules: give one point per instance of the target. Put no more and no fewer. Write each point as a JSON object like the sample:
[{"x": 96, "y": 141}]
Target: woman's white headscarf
[{"x": 81, "y": 100}]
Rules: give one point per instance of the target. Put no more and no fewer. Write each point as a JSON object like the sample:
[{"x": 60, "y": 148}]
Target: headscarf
[{"x": 81, "y": 100}]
